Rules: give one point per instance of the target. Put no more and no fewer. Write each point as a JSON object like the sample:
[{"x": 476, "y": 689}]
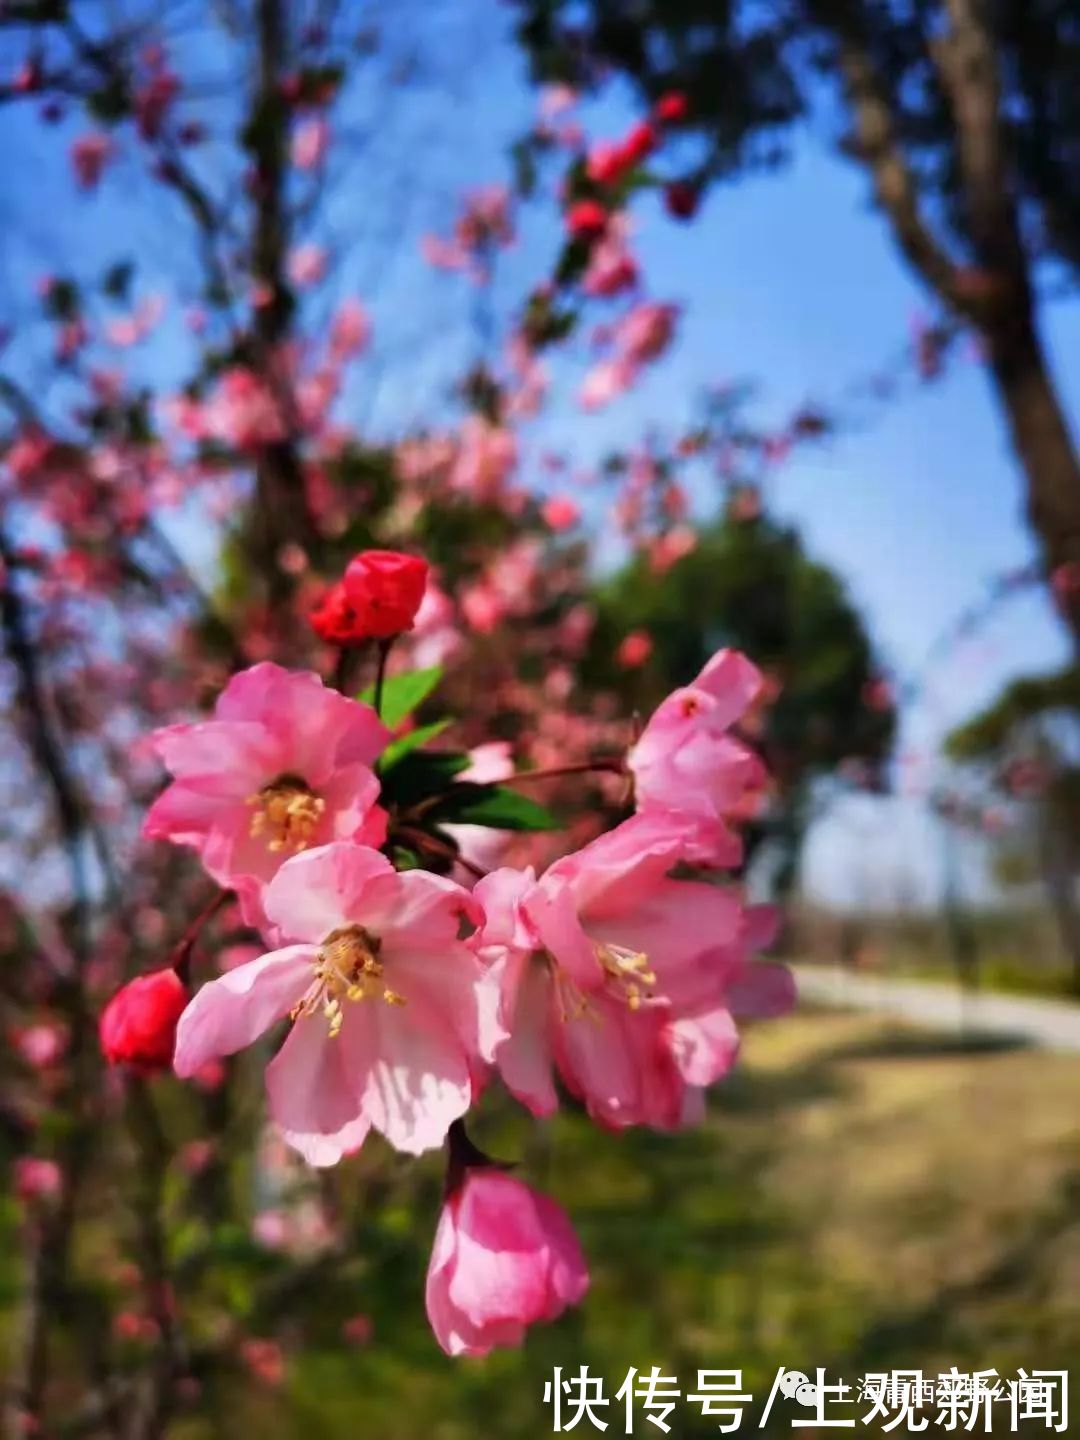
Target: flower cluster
[{"x": 619, "y": 972}]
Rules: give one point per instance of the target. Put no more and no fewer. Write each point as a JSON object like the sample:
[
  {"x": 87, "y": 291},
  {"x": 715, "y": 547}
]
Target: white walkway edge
[{"x": 1050, "y": 1024}]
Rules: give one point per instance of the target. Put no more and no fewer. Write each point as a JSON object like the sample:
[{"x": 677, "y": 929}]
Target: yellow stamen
[
  {"x": 287, "y": 813},
  {"x": 348, "y": 968},
  {"x": 630, "y": 971}
]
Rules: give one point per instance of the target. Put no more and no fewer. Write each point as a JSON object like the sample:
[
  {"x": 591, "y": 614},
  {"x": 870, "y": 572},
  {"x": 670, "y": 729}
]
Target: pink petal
[
  {"x": 415, "y": 909},
  {"x": 312, "y": 1088},
  {"x": 181, "y": 815},
  {"x": 418, "y": 1082},
  {"x": 552, "y": 911},
  {"x": 500, "y": 895},
  {"x": 319, "y": 727},
  {"x": 704, "y": 1046},
  {"x": 525, "y": 1059},
  {"x": 449, "y": 981},
  {"x": 732, "y": 681},
  {"x": 229, "y": 760},
  {"x": 320, "y": 890},
  {"x": 610, "y": 873},
  {"x": 762, "y": 991},
  {"x": 236, "y": 1008}
]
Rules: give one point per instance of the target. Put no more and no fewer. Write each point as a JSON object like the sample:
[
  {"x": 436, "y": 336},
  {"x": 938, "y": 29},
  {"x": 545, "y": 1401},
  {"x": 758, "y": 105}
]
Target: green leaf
[
  {"x": 405, "y": 744},
  {"x": 497, "y": 806},
  {"x": 403, "y": 693},
  {"x": 405, "y": 859},
  {"x": 419, "y": 774}
]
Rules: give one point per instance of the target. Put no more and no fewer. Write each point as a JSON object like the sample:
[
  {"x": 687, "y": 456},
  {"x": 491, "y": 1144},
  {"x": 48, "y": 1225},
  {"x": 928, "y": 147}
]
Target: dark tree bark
[
  {"x": 995, "y": 295},
  {"x": 278, "y": 513},
  {"x": 1047, "y": 452}
]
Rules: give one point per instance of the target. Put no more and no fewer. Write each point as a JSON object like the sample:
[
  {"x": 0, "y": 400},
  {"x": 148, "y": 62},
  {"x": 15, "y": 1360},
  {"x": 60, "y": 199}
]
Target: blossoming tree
[{"x": 404, "y": 854}]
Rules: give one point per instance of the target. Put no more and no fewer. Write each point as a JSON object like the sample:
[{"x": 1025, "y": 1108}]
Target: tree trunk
[
  {"x": 1047, "y": 451},
  {"x": 1060, "y": 887},
  {"x": 278, "y": 513}
]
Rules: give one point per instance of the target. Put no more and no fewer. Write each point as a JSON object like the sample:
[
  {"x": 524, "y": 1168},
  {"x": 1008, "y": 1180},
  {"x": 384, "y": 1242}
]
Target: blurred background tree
[
  {"x": 965, "y": 117},
  {"x": 1026, "y": 747}
]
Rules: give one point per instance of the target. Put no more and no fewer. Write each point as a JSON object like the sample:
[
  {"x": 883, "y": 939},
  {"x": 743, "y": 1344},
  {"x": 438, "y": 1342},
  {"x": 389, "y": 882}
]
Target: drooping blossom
[
  {"x": 686, "y": 763},
  {"x": 284, "y": 764},
  {"x": 505, "y": 1257},
  {"x": 138, "y": 1026},
  {"x": 384, "y": 1000},
  {"x": 623, "y": 979}
]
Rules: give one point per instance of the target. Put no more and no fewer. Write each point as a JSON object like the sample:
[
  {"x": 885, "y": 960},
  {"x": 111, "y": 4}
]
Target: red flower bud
[
  {"x": 587, "y": 220},
  {"x": 682, "y": 199},
  {"x": 138, "y": 1026},
  {"x": 672, "y": 107},
  {"x": 333, "y": 619},
  {"x": 640, "y": 144},
  {"x": 383, "y": 589}
]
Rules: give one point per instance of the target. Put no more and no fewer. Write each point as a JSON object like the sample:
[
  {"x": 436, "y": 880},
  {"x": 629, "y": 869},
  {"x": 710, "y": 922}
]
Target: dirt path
[{"x": 1050, "y": 1024}]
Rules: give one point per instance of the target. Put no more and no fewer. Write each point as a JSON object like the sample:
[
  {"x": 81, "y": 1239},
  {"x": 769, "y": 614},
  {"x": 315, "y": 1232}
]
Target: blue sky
[{"x": 788, "y": 280}]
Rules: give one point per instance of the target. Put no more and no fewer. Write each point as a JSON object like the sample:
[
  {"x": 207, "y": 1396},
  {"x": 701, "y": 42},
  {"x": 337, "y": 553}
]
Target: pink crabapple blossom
[
  {"x": 623, "y": 979},
  {"x": 284, "y": 764},
  {"x": 687, "y": 764},
  {"x": 504, "y": 1258},
  {"x": 388, "y": 1023}
]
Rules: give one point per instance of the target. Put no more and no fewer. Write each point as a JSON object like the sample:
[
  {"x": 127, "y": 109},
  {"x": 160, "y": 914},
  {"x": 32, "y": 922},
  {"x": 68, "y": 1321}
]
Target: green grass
[{"x": 862, "y": 1198}]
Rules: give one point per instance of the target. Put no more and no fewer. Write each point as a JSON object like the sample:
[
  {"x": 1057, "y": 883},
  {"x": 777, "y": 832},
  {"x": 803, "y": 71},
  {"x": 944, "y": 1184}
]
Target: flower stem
[
  {"x": 180, "y": 958},
  {"x": 422, "y": 840},
  {"x": 380, "y": 674},
  {"x": 340, "y": 677},
  {"x": 609, "y": 764}
]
